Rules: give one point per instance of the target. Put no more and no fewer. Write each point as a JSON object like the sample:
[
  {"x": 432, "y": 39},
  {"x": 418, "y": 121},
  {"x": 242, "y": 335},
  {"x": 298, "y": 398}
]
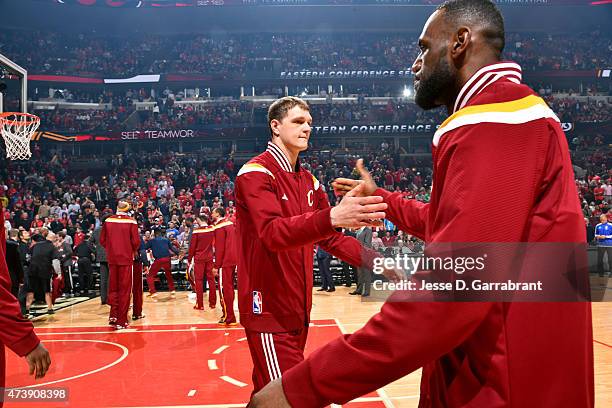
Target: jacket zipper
[{"x": 298, "y": 176}]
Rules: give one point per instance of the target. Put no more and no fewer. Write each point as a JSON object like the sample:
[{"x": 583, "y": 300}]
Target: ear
[
  {"x": 274, "y": 125},
  {"x": 461, "y": 40}
]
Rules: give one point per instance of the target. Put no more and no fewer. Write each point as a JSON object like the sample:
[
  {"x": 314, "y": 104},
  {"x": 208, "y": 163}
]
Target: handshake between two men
[{"x": 358, "y": 208}]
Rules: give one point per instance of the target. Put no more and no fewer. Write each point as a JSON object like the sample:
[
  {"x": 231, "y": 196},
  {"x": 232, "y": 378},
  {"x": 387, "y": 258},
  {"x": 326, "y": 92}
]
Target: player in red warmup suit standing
[
  {"x": 201, "y": 256},
  {"x": 225, "y": 264},
  {"x": 282, "y": 212},
  {"x": 120, "y": 238}
]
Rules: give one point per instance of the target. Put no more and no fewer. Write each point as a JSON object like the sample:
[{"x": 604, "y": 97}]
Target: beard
[{"x": 431, "y": 88}]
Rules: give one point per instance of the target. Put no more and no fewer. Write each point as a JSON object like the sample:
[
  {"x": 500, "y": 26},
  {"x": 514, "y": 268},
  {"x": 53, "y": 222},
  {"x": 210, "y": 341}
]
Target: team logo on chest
[{"x": 310, "y": 202}]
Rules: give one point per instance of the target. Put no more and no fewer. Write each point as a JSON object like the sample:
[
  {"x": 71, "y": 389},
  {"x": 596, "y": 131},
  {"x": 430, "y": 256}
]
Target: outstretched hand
[
  {"x": 358, "y": 210},
  {"x": 343, "y": 185},
  {"x": 393, "y": 274}
]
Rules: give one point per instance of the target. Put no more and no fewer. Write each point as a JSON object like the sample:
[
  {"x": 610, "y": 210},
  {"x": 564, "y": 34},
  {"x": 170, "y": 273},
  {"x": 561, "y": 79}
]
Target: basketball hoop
[{"x": 17, "y": 130}]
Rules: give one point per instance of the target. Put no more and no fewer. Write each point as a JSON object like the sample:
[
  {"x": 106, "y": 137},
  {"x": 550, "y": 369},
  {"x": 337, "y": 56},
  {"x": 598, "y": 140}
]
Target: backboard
[{"x": 13, "y": 86}]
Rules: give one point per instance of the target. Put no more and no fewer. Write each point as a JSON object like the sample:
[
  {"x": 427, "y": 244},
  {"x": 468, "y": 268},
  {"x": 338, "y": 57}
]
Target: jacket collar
[
  {"x": 484, "y": 77},
  {"x": 280, "y": 157}
]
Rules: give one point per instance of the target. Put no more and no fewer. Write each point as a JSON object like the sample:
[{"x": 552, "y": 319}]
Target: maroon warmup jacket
[
  {"x": 201, "y": 245},
  {"x": 120, "y": 239},
  {"x": 225, "y": 244},
  {"x": 281, "y": 213},
  {"x": 501, "y": 152}
]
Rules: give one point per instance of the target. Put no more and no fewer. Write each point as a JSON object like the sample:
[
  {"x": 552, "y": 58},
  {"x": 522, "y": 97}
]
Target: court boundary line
[
  {"x": 602, "y": 343},
  {"x": 135, "y": 329},
  {"x": 125, "y": 350},
  {"x": 192, "y": 326}
]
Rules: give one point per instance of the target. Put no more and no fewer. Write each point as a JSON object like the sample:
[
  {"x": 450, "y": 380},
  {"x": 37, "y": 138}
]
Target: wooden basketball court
[{"x": 178, "y": 357}]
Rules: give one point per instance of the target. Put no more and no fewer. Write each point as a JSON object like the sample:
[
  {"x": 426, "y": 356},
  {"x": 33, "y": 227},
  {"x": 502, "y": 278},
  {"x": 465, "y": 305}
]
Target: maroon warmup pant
[
  {"x": 119, "y": 290},
  {"x": 274, "y": 353},
  {"x": 2, "y": 369},
  {"x": 226, "y": 293},
  {"x": 201, "y": 270},
  {"x": 157, "y": 265},
  {"x": 137, "y": 289}
]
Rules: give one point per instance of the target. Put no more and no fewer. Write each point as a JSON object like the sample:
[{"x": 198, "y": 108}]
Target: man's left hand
[
  {"x": 393, "y": 274},
  {"x": 270, "y": 396}
]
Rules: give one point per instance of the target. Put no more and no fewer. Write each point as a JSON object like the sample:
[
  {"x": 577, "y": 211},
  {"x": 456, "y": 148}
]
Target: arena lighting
[{"x": 406, "y": 93}]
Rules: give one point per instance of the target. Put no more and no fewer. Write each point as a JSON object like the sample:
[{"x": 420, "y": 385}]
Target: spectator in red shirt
[
  {"x": 153, "y": 191},
  {"x": 182, "y": 198},
  {"x": 418, "y": 180},
  {"x": 79, "y": 237},
  {"x": 228, "y": 195},
  {"x": 229, "y": 166},
  {"x": 388, "y": 180},
  {"x": 599, "y": 193},
  {"x": 36, "y": 223},
  {"x": 388, "y": 240},
  {"x": 198, "y": 194}
]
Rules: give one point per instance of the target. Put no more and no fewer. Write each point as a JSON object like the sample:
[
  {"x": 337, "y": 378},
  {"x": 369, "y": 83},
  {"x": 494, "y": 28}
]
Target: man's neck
[
  {"x": 465, "y": 73},
  {"x": 291, "y": 156}
]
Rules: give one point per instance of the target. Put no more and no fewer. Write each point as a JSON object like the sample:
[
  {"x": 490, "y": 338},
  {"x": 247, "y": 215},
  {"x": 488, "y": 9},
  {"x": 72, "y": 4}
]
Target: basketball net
[{"x": 17, "y": 130}]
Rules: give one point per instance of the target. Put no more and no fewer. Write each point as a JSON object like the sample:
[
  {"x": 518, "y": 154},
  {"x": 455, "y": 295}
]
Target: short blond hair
[{"x": 279, "y": 108}]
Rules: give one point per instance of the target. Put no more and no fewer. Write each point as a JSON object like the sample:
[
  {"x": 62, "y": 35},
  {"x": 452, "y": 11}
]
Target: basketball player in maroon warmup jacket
[
  {"x": 501, "y": 150},
  {"x": 282, "y": 211},
  {"x": 201, "y": 256},
  {"x": 225, "y": 264},
  {"x": 120, "y": 238}
]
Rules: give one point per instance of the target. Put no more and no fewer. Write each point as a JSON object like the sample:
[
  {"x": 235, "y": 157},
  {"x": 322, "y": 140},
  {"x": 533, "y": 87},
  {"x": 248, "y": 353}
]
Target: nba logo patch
[{"x": 257, "y": 302}]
